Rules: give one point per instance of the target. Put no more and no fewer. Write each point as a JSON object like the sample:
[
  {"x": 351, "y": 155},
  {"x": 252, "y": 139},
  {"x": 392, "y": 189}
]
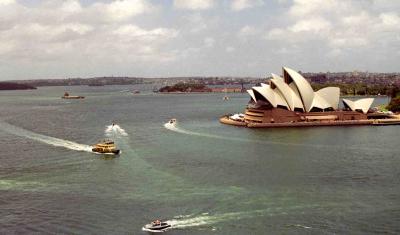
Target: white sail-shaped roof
[
  {"x": 331, "y": 95},
  {"x": 349, "y": 104},
  {"x": 290, "y": 96},
  {"x": 295, "y": 92},
  {"x": 320, "y": 102},
  {"x": 273, "y": 96},
  {"x": 294, "y": 89},
  {"x": 251, "y": 93},
  {"x": 304, "y": 88},
  {"x": 279, "y": 98},
  {"x": 267, "y": 93},
  {"x": 361, "y": 104}
]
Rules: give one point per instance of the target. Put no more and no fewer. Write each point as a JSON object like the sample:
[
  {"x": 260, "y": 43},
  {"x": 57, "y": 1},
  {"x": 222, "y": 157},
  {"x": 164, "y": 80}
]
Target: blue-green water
[{"x": 204, "y": 177}]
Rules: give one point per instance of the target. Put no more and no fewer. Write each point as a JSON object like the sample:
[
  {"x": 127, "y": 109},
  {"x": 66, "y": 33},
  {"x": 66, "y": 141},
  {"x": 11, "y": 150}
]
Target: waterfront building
[{"x": 290, "y": 100}]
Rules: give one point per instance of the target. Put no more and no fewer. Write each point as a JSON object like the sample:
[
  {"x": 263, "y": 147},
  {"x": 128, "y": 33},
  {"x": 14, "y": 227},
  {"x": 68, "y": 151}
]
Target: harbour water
[{"x": 201, "y": 176}]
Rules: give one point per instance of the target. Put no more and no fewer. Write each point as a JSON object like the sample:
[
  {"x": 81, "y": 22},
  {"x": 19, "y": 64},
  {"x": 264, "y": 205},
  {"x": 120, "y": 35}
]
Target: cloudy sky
[{"x": 85, "y": 38}]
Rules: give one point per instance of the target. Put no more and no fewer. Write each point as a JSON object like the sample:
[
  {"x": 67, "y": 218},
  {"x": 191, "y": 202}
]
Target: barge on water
[
  {"x": 290, "y": 101},
  {"x": 71, "y": 97}
]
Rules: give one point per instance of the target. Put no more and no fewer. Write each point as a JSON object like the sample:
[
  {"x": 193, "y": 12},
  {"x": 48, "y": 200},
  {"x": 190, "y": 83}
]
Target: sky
[{"x": 41, "y": 39}]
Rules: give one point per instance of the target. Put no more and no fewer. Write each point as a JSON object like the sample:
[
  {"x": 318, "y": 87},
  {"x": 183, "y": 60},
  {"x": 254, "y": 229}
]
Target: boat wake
[
  {"x": 175, "y": 128},
  {"x": 115, "y": 130},
  {"x": 44, "y": 139},
  {"x": 187, "y": 221},
  {"x": 205, "y": 219}
]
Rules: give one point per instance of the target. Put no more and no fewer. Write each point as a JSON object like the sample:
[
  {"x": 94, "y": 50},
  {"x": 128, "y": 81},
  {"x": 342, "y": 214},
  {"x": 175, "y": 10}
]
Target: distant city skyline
[{"x": 169, "y": 38}]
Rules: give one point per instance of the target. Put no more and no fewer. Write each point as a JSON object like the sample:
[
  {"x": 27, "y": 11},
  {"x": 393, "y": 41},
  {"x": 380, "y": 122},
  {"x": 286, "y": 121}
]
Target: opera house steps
[
  {"x": 255, "y": 113},
  {"x": 311, "y": 124}
]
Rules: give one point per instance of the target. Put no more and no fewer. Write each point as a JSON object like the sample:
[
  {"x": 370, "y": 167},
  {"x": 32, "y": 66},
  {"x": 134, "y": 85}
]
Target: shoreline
[{"x": 370, "y": 122}]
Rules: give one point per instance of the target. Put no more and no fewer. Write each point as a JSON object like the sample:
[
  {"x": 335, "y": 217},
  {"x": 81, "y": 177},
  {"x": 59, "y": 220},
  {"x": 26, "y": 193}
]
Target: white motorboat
[{"x": 157, "y": 226}]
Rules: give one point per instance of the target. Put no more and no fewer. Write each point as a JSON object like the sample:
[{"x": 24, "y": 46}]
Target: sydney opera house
[{"x": 290, "y": 101}]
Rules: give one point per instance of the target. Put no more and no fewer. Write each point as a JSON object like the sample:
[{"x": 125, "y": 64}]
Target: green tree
[{"x": 394, "y": 104}]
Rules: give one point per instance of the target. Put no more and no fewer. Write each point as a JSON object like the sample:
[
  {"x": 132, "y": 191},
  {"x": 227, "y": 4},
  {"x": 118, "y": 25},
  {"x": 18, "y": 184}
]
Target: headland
[{"x": 15, "y": 86}]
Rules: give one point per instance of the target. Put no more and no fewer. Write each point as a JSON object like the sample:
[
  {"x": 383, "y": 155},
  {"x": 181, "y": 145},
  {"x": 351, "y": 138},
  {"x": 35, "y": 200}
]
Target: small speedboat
[
  {"x": 106, "y": 147},
  {"x": 172, "y": 121},
  {"x": 157, "y": 226}
]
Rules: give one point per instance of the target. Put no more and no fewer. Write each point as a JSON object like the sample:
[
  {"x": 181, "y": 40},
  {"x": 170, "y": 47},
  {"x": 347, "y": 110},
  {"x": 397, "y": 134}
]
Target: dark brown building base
[{"x": 276, "y": 117}]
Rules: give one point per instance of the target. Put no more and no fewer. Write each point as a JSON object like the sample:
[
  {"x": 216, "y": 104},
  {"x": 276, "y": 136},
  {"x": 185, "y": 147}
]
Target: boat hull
[
  {"x": 156, "y": 229},
  {"x": 72, "y": 97},
  {"x": 115, "y": 151}
]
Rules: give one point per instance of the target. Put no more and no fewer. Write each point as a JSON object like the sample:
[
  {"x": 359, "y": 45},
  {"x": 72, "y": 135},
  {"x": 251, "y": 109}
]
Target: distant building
[
  {"x": 291, "y": 99},
  {"x": 227, "y": 89}
]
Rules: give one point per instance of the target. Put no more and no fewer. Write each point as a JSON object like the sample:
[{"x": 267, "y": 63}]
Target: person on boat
[{"x": 157, "y": 222}]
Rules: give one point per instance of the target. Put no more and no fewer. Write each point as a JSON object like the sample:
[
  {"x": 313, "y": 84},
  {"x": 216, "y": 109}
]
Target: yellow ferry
[{"x": 107, "y": 147}]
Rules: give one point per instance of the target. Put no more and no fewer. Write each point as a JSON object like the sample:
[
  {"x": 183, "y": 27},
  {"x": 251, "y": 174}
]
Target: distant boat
[
  {"x": 226, "y": 97},
  {"x": 67, "y": 96},
  {"x": 136, "y": 92}
]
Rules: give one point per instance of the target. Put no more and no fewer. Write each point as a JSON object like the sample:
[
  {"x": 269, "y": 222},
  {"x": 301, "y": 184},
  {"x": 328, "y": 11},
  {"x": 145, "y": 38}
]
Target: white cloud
[
  {"x": 67, "y": 31},
  {"x": 346, "y": 25},
  {"x": 7, "y": 2},
  {"x": 307, "y": 8},
  {"x": 230, "y": 49},
  {"x": 121, "y": 10},
  {"x": 129, "y": 32},
  {"x": 44, "y": 33},
  {"x": 6, "y": 47},
  {"x": 134, "y": 36},
  {"x": 247, "y": 31},
  {"x": 71, "y": 6},
  {"x": 196, "y": 22},
  {"x": 317, "y": 24},
  {"x": 283, "y": 1},
  {"x": 390, "y": 19},
  {"x": 209, "y": 42},
  {"x": 238, "y": 5},
  {"x": 356, "y": 20},
  {"x": 194, "y": 4},
  {"x": 275, "y": 34},
  {"x": 348, "y": 42}
]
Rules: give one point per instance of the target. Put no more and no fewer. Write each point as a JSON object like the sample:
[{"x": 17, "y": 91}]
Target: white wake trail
[
  {"x": 115, "y": 129},
  {"x": 45, "y": 139},
  {"x": 205, "y": 219},
  {"x": 175, "y": 128}
]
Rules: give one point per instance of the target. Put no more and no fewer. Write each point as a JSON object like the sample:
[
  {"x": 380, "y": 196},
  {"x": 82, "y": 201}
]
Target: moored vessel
[{"x": 67, "y": 96}]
